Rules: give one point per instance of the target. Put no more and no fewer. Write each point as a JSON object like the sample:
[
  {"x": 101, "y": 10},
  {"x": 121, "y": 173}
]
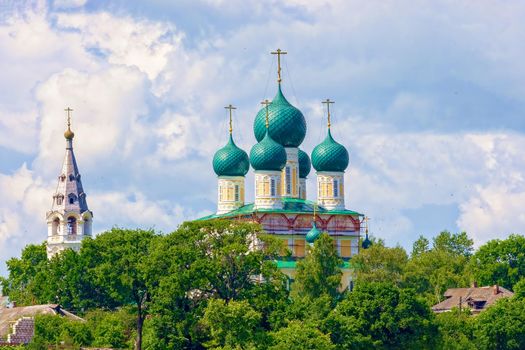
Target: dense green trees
[{"x": 216, "y": 285}]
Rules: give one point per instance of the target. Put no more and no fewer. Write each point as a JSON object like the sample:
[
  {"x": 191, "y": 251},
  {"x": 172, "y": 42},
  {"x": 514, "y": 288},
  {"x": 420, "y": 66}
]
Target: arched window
[
  {"x": 237, "y": 194},
  {"x": 272, "y": 187},
  {"x": 288, "y": 178},
  {"x": 72, "y": 198},
  {"x": 336, "y": 188},
  {"x": 55, "y": 228},
  {"x": 59, "y": 199},
  {"x": 71, "y": 177},
  {"x": 71, "y": 226},
  {"x": 87, "y": 226}
]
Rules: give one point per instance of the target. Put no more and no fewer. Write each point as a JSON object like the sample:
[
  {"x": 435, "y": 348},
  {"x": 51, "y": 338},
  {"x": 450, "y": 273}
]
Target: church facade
[{"x": 281, "y": 169}]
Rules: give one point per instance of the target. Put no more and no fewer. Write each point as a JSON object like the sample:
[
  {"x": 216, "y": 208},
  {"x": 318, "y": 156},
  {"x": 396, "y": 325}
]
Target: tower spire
[
  {"x": 328, "y": 102},
  {"x": 230, "y": 107},
  {"x": 279, "y": 52},
  {"x": 68, "y": 134},
  {"x": 266, "y": 103}
]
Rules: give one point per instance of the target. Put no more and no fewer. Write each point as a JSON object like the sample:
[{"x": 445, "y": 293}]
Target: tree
[
  {"x": 203, "y": 260},
  {"x": 25, "y": 283},
  {"x": 231, "y": 325},
  {"x": 380, "y": 263},
  {"x": 319, "y": 273},
  {"x": 454, "y": 243},
  {"x": 500, "y": 262},
  {"x": 456, "y": 330},
  {"x": 117, "y": 261},
  {"x": 430, "y": 272},
  {"x": 301, "y": 336},
  {"x": 381, "y": 315},
  {"x": 502, "y": 326},
  {"x": 420, "y": 246}
]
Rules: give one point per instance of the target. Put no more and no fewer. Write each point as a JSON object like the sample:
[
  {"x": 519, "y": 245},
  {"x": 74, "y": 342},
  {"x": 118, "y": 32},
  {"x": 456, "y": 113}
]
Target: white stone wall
[
  {"x": 290, "y": 174},
  {"x": 230, "y": 194},
  {"x": 330, "y": 190},
  {"x": 268, "y": 190}
]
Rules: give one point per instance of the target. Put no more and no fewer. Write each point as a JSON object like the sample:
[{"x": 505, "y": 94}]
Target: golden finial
[
  {"x": 266, "y": 103},
  {"x": 69, "y": 134},
  {"x": 366, "y": 224},
  {"x": 230, "y": 107},
  {"x": 279, "y": 52},
  {"x": 315, "y": 211},
  {"x": 328, "y": 103}
]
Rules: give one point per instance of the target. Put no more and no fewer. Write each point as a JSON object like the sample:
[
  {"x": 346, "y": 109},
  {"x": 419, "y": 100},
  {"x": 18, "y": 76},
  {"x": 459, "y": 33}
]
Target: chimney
[
  {"x": 496, "y": 289},
  {"x": 474, "y": 284}
]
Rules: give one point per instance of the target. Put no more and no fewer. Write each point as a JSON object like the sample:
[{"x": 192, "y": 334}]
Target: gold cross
[
  {"x": 328, "y": 103},
  {"x": 279, "y": 52},
  {"x": 68, "y": 110},
  {"x": 266, "y": 103},
  {"x": 230, "y": 107},
  {"x": 366, "y": 224}
]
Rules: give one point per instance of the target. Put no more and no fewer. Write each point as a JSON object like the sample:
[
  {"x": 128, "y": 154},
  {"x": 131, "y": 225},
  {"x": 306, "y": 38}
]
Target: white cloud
[{"x": 68, "y": 4}]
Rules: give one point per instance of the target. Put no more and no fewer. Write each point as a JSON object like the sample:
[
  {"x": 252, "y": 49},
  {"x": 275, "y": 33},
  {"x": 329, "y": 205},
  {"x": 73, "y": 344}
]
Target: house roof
[
  {"x": 290, "y": 206},
  {"x": 488, "y": 295},
  {"x": 10, "y": 315}
]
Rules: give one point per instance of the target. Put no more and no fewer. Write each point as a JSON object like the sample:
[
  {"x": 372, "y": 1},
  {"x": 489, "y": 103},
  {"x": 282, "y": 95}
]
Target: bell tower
[{"x": 69, "y": 219}]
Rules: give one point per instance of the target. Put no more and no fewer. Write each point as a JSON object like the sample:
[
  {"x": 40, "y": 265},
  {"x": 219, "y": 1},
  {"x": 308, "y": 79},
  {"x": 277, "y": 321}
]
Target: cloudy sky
[{"x": 430, "y": 102}]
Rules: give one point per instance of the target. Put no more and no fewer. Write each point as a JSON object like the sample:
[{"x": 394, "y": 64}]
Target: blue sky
[{"x": 430, "y": 101}]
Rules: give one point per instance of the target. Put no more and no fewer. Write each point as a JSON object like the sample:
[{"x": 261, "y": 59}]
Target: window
[
  {"x": 329, "y": 189},
  {"x": 220, "y": 194},
  {"x": 266, "y": 187},
  {"x": 272, "y": 187},
  {"x": 230, "y": 193},
  {"x": 71, "y": 177},
  {"x": 55, "y": 228},
  {"x": 288, "y": 180},
  {"x": 237, "y": 194},
  {"x": 299, "y": 245},
  {"x": 294, "y": 181},
  {"x": 59, "y": 199},
  {"x": 71, "y": 226},
  {"x": 345, "y": 246},
  {"x": 336, "y": 188},
  {"x": 71, "y": 200}
]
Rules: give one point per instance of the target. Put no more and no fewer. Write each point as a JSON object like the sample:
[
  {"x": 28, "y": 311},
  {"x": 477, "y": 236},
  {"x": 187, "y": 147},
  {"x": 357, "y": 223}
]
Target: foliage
[
  {"x": 381, "y": 315},
  {"x": 26, "y": 274},
  {"x": 380, "y": 263},
  {"x": 300, "y": 336},
  {"x": 431, "y": 271},
  {"x": 502, "y": 326},
  {"x": 215, "y": 284},
  {"x": 456, "y": 330},
  {"x": 233, "y": 324},
  {"x": 500, "y": 262},
  {"x": 319, "y": 273}
]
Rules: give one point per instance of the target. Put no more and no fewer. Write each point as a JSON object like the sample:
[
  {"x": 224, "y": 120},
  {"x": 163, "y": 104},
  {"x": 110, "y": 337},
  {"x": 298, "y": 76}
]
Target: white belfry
[{"x": 69, "y": 219}]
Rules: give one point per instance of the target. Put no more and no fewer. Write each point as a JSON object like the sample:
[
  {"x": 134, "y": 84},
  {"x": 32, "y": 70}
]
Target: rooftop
[
  {"x": 474, "y": 298},
  {"x": 290, "y": 206}
]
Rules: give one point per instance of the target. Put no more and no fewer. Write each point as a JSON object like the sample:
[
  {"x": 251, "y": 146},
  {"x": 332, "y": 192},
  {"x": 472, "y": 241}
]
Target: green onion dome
[
  {"x": 304, "y": 164},
  {"x": 231, "y": 160},
  {"x": 287, "y": 123},
  {"x": 366, "y": 242},
  {"x": 313, "y": 234},
  {"x": 268, "y": 155},
  {"x": 330, "y": 155}
]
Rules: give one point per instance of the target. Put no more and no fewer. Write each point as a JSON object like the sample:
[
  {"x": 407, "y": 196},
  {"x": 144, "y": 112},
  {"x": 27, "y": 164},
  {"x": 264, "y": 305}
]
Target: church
[{"x": 281, "y": 169}]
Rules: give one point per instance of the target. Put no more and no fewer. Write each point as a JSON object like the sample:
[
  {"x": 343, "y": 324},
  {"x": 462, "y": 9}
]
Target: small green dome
[
  {"x": 330, "y": 155},
  {"x": 231, "y": 160},
  {"x": 268, "y": 155},
  {"x": 304, "y": 164},
  {"x": 366, "y": 242},
  {"x": 287, "y": 123},
  {"x": 313, "y": 234}
]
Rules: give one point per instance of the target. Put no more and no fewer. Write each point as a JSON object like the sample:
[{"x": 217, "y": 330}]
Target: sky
[{"x": 430, "y": 103}]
